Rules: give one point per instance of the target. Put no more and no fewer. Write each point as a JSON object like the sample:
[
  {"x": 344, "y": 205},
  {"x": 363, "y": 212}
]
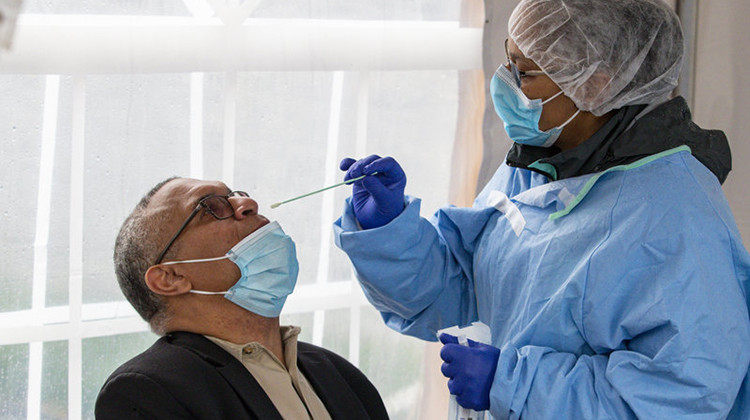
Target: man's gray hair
[{"x": 136, "y": 247}]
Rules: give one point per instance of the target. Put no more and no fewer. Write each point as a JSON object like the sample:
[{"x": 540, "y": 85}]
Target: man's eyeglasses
[
  {"x": 217, "y": 205},
  {"x": 513, "y": 69}
]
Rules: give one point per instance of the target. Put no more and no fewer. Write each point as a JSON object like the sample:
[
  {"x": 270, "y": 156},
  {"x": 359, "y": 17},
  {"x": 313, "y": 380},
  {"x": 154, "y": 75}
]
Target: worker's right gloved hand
[{"x": 379, "y": 198}]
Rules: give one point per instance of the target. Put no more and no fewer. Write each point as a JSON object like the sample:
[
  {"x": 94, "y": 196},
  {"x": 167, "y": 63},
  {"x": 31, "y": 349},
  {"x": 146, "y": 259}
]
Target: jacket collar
[
  {"x": 627, "y": 137},
  {"x": 247, "y": 388},
  {"x": 340, "y": 401}
]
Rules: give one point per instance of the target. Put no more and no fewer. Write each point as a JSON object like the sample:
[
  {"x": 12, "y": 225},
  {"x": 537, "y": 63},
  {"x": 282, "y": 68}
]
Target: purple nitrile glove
[
  {"x": 471, "y": 371},
  {"x": 379, "y": 198}
]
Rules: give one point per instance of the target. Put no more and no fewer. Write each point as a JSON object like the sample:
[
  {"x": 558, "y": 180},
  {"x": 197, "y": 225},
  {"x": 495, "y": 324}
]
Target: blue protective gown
[{"x": 618, "y": 294}]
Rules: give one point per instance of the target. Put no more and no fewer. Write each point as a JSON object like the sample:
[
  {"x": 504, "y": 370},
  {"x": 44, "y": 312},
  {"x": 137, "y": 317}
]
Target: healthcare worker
[{"x": 602, "y": 254}]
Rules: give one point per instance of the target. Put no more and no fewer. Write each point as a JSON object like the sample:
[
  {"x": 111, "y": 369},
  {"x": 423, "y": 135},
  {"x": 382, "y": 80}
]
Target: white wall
[{"x": 722, "y": 92}]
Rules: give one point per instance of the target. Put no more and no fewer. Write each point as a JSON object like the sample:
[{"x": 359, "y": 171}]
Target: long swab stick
[{"x": 274, "y": 205}]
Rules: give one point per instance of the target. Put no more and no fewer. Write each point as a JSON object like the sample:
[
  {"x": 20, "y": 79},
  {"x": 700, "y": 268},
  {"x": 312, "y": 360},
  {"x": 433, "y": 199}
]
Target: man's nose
[{"x": 244, "y": 206}]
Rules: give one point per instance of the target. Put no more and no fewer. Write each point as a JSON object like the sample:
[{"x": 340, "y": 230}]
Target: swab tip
[{"x": 274, "y": 205}]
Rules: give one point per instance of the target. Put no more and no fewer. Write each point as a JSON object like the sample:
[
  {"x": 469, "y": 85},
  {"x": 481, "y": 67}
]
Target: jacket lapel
[{"x": 330, "y": 386}]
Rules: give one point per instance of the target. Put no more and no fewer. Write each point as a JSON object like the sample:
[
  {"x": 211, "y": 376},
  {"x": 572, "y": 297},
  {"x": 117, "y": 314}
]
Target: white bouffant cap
[{"x": 604, "y": 54}]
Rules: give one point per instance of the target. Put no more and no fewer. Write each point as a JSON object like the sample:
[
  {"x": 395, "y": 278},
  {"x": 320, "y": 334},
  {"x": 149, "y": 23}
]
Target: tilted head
[
  {"x": 169, "y": 223},
  {"x": 136, "y": 246}
]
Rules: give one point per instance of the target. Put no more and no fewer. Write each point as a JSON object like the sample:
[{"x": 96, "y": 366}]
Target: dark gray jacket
[
  {"x": 186, "y": 376},
  {"x": 625, "y": 139}
]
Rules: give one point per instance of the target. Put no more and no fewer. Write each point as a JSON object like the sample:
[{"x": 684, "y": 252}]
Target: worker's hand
[
  {"x": 379, "y": 198},
  {"x": 471, "y": 371}
]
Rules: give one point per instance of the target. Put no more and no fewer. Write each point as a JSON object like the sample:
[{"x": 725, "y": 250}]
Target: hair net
[{"x": 604, "y": 54}]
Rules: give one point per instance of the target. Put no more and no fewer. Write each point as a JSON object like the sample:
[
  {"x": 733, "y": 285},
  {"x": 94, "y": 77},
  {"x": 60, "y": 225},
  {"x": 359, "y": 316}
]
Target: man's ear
[{"x": 164, "y": 280}]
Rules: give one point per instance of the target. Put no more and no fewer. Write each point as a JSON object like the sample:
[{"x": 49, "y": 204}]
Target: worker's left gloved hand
[{"x": 471, "y": 371}]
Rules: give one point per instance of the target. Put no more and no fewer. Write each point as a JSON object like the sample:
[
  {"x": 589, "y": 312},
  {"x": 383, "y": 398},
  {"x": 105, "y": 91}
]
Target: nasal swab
[{"x": 274, "y": 205}]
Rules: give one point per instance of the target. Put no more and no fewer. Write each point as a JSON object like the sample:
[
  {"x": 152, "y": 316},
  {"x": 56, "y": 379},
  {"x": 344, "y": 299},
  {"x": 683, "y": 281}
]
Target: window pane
[
  {"x": 14, "y": 369},
  {"x": 412, "y": 116},
  {"x": 393, "y": 363},
  {"x": 336, "y": 331},
  {"x": 21, "y": 127},
  {"x": 101, "y": 356},
  {"x": 55, "y": 381}
]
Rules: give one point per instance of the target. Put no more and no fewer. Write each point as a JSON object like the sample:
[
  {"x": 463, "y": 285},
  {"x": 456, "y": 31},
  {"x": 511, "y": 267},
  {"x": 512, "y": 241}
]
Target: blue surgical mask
[
  {"x": 520, "y": 114},
  {"x": 267, "y": 259}
]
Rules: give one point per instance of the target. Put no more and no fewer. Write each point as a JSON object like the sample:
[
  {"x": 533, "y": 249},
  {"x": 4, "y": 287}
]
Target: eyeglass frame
[
  {"x": 514, "y": 69},
  {"x": 201, "y": 203}
]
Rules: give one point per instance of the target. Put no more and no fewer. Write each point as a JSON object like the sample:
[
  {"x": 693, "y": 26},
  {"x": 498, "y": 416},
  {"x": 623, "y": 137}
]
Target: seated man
[{"x": 210, "y": 275}]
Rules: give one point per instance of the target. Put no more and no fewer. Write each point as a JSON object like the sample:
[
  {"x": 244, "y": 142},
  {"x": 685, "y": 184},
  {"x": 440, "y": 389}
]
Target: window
[{"x": 105, "y": 99}]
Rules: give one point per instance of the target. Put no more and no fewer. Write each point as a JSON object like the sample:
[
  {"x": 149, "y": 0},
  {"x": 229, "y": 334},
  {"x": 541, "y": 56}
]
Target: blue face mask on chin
[
  {"x": 520, "y": 114},
  {"x": 267, "y": 259}
]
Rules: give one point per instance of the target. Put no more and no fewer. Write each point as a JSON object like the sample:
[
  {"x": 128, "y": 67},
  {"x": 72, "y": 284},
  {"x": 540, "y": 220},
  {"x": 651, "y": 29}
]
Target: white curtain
[
  {"x": 721, "y": 97},
  {"x": 103, "y": 99}
]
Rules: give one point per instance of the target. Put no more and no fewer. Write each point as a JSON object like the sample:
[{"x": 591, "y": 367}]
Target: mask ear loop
[
  {"x": 196, "y": 261},
  {"x": 575, "y": 114},
  {"x": 552, "y": 97},
  {"x": 569, "y": 119},
  {"x": 201, "y": 292}
]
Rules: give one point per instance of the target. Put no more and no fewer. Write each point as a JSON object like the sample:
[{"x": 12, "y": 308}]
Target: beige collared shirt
[{"x": 288, "y": 389}]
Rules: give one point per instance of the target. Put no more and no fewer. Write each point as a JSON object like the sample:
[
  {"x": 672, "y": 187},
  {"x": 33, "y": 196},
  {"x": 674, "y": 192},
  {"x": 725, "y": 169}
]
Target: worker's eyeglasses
[
  {"x": 217, "y": 205},
  {"x": 513, "y": 69}
]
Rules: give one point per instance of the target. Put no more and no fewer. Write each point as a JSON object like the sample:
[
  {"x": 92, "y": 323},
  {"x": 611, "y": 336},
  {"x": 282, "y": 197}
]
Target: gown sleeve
[{"x": 417, "y": 273}]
